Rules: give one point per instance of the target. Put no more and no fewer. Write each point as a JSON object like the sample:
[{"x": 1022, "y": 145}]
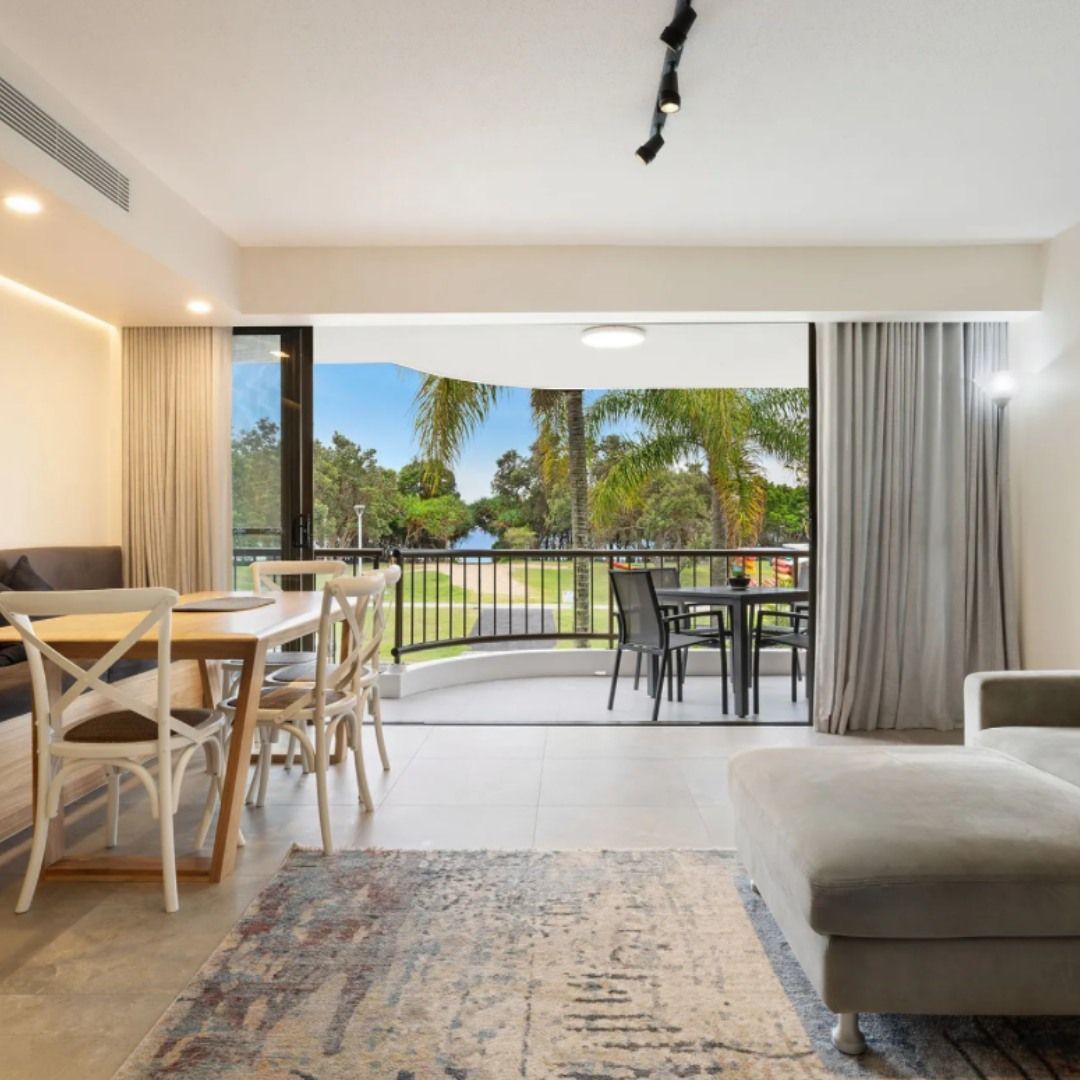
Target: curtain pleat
[
  {"x": 915, "y": 577},
  {"x": 177, "y": 498}
]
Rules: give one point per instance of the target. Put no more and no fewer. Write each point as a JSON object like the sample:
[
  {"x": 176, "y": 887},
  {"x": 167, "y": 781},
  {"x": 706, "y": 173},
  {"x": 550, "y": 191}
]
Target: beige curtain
[
  {"x": 177, "y": 470},
  {"x": 915, "y": 585}
]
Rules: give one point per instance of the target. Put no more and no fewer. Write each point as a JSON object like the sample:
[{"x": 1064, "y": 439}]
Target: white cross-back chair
[
  {"x": 369, "y": 676},
  {"x": 124, "y": 739},
  {"x": 312, "y": 711},
  {"x": 267, "y": 577}
]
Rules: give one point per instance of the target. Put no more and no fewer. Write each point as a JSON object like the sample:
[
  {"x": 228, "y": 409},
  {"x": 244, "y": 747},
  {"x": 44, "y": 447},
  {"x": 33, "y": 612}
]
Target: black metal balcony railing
[{"x": 450, "y": 600}]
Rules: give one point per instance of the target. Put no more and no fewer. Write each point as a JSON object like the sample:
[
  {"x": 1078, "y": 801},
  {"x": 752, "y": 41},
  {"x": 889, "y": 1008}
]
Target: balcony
[{"x": 547, "y": 617}]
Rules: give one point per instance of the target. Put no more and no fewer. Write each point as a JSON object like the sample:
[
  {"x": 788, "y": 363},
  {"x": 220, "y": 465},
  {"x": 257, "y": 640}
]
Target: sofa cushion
[
  {"x": 1054, "y": 750},
  {"x": 70, "y": 567},
  {"x": 913, "y": 842},
  {"x": 22, "y": 577}
]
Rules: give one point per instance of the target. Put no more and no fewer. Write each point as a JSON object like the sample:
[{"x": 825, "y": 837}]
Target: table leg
[
  {"x": 740, "y": 659},
  {"x": 223, "y": 861},
  {"x": 211, "y": 683}
]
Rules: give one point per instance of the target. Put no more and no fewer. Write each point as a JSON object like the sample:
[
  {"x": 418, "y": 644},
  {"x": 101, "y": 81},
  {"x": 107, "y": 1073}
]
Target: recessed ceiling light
[
  {"x": 199, "y": 307},
  {"x": 612, "y": 337},
  {"x": 23, "y": 204}
]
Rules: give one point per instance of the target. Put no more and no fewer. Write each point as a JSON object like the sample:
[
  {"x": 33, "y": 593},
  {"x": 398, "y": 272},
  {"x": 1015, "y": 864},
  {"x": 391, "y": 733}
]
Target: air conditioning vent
[{"x": 33, "y": 123}]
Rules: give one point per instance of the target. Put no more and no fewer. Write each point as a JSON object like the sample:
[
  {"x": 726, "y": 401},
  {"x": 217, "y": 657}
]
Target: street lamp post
[{"x": 360, "y": 533}]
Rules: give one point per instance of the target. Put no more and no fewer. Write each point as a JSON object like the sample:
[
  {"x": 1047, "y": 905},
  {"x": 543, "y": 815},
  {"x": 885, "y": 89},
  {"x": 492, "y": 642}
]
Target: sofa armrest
[{"x": 1020, "y": 699}]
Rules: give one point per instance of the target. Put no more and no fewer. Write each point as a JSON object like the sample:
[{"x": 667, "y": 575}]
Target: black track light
[
  {"x": 668, "y": 100},
  {"x": 675, "y": 33},
  {"x": 648, "y": 150}
]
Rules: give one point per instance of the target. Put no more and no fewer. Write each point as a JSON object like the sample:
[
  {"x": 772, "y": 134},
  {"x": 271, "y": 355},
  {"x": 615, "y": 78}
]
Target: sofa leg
[
  {"x": 846, "y": 1036},
  {"x": 754, "y": 888}
]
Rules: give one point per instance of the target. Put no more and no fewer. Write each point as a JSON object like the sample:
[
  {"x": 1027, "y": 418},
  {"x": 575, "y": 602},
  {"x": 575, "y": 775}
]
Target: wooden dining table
[
  {"x": 203, "y": 636},
  {"x": 741, "y": 603}
]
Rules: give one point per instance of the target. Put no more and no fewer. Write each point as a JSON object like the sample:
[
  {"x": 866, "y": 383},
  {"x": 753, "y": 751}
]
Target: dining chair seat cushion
[
  {"x": 300, "y": 672},
  {"x": 125, "y": 726},
  {"x": 277, "y": 658},
  {"x": 281, "y": 697}
]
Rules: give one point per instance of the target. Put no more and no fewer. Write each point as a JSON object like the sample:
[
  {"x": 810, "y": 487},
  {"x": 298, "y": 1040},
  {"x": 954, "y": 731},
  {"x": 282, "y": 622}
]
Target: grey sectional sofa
[{"x": 941, "y": 880}]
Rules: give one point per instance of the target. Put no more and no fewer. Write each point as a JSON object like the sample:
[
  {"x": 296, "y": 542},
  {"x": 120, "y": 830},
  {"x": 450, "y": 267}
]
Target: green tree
[
  {"x": 621, "y": 525},
  {"x": 518, "y": 499},
  {"x": 438, "y": 521},
  {"x": 256, "y": 478},
  {"x": 448, "y": 411},
  {"x": 346, "y": 475},
  {"x": 414, "y": 479},
  {"x": 787, "y": 514},
  {"x": 676, "y": 509},
  {"x": 729, "y": 430},
  {"x": 520, "y": 538},
  {"x": 515, "y": 477}
]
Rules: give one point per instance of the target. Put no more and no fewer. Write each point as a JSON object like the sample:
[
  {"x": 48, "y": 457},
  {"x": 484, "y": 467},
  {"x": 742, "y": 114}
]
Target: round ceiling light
[
  {"x": 23, "y": 204},
  {"x": 199, "y": 307},
  {"x": 612, "y": 337}
]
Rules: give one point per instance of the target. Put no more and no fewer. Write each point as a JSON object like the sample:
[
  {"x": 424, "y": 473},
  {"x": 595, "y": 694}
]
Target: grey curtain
[{"x": 915, "y": 584}]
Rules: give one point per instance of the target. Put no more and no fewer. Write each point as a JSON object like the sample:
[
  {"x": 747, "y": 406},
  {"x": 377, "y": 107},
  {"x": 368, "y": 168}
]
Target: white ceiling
[
  {"x": 468, "y": 122},
  {"x": 552, "y": 355}
]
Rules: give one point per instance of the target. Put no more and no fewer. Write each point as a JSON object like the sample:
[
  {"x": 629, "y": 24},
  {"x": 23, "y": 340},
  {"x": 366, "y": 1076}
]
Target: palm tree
[
  {"x": 448, "y": 411},
  {"x": 731, "y": 429}
]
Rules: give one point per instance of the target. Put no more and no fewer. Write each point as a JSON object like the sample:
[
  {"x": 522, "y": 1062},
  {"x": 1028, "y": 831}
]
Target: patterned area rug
[{"x": 410, "y": 965}]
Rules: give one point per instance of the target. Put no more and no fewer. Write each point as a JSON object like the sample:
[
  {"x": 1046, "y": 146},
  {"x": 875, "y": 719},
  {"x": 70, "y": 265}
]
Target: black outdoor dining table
[{"x": 741, "y": 601}]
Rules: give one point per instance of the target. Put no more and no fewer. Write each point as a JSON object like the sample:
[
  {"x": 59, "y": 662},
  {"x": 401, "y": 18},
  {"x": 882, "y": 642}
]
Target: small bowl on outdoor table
[{"x": 739, "y": 581}]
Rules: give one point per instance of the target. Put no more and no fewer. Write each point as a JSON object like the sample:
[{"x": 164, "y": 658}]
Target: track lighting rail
[{"x": 668, "y": 98}]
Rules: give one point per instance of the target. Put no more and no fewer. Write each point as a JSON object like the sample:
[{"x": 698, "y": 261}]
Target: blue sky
[{"x": 372, "y": 405}]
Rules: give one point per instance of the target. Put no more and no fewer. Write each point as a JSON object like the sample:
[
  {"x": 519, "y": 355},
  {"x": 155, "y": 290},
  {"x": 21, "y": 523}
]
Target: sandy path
[{"x": 487, "y": 579}]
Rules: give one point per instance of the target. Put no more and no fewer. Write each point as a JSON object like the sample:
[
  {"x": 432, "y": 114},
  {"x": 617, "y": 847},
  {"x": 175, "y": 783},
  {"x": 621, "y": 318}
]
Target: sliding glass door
[{"x": 271, "y": 438}]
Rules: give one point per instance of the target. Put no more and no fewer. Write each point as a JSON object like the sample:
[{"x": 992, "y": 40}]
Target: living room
[{"x": 378, "y": 851}]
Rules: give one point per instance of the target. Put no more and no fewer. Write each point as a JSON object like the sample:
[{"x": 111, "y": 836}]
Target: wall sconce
[{"x": 999, "y": 386}]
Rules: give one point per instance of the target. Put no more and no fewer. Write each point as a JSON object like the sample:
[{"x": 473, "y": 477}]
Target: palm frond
[
  {"x": 780, "y": 424},
  {"x": 446, "y": 412},
  {"x": 641, "y": 462}
]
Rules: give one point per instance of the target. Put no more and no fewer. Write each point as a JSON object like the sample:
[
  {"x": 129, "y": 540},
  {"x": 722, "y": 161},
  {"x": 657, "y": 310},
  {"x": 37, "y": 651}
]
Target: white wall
[
  {"x": 695, "y": 282},
  {"x": 1045, "y": 445},
  {"x": 60, "y": 424}
]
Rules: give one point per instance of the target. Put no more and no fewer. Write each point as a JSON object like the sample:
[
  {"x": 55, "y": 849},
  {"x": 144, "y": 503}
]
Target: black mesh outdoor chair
[
  {"x": 646, "y": 629},
  {"x": 715, "y": 633},
  {"x": 790, "y": 629}
]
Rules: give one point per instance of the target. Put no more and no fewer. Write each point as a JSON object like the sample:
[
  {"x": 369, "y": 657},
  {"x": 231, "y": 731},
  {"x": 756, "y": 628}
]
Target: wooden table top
[{"x": 196, "y": 635}]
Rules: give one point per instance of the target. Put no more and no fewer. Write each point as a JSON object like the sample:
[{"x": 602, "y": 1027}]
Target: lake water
[{"x": 477, "y": 539}]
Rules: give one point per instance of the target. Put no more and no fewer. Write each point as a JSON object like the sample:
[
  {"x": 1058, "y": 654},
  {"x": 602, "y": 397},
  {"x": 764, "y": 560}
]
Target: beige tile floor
[{"x": 90, "y": 968}]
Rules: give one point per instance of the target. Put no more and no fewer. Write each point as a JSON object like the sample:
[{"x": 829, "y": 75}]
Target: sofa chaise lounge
[{"x": 940, "y": 880}]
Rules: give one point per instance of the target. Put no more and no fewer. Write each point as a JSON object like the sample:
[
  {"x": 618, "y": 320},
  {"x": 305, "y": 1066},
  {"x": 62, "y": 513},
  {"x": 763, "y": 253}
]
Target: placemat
[{"x": 226, "y": 603}]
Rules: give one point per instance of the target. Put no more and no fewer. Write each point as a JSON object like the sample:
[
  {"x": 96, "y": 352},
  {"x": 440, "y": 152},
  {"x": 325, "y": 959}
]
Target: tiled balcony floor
[
  {"x": 584, "y": 701},
  {"x": 92, "y": 966}
]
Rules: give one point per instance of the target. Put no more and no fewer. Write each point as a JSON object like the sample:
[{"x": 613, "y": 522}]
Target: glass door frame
[{"x": 296, "y": 420}]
